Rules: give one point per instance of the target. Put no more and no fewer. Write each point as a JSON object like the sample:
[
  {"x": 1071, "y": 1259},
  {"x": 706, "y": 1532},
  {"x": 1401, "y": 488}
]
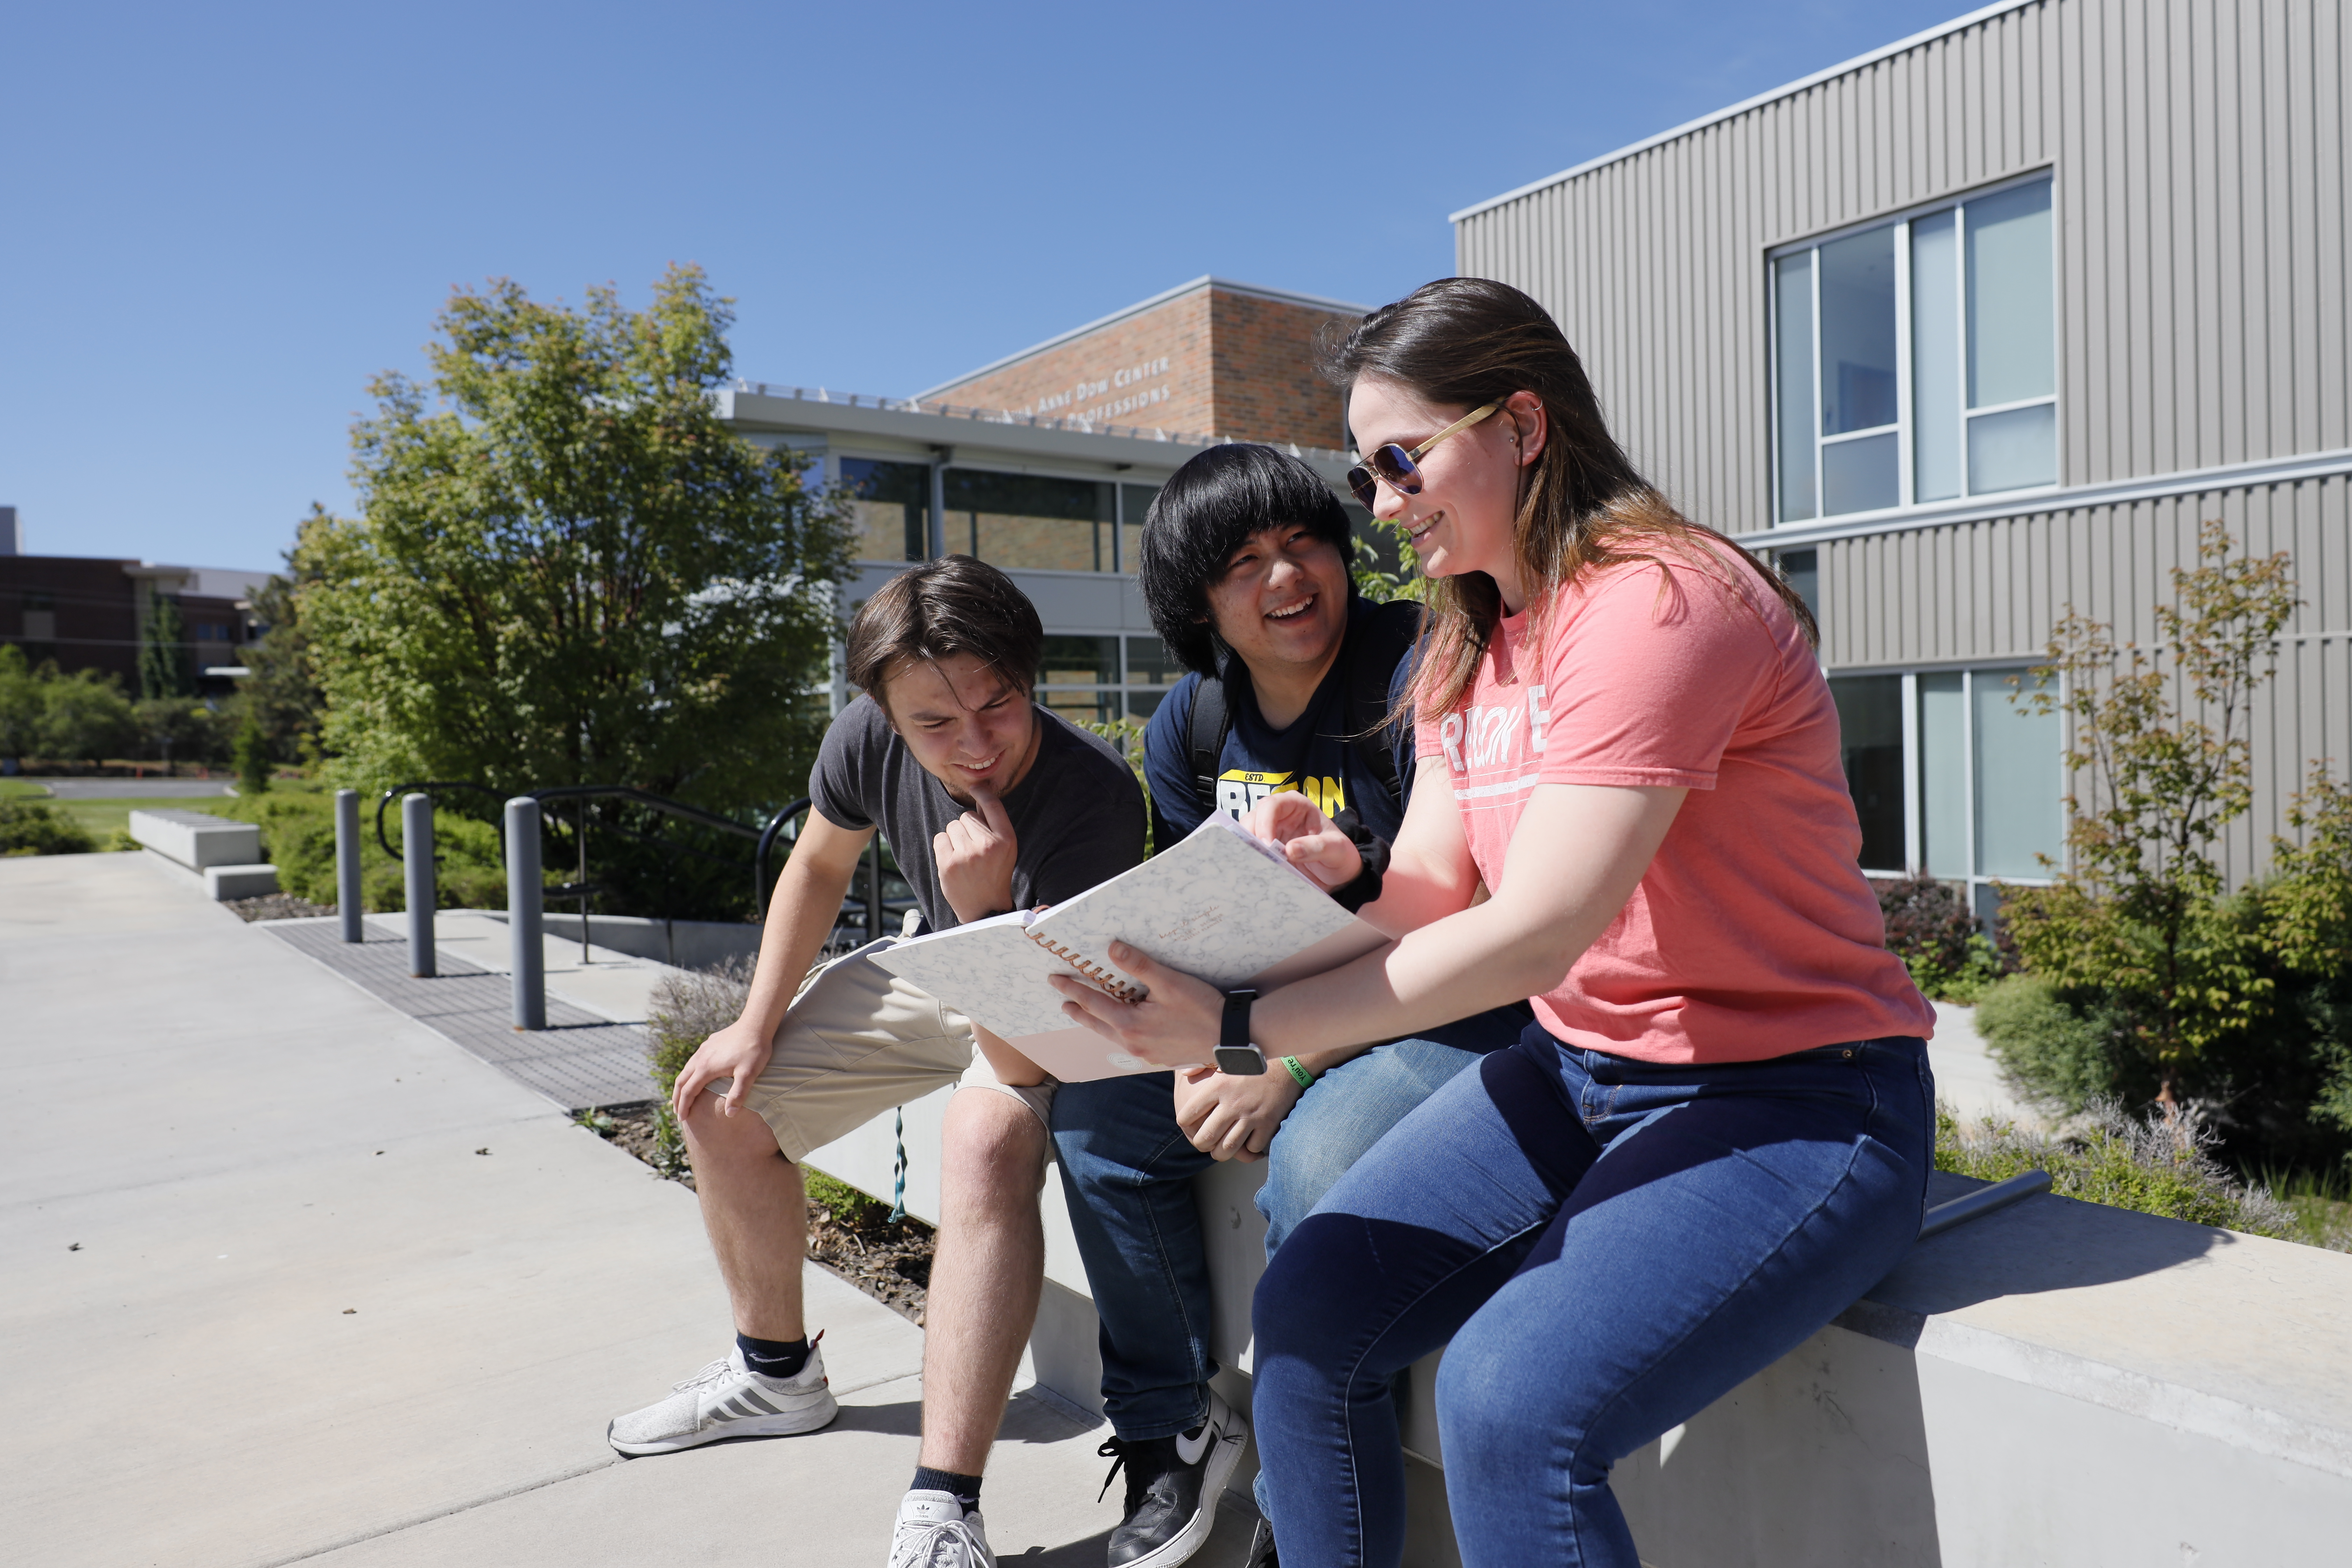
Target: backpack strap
[
  {"x": 1387, "y": 635},
  {"x": 1212, "y": 721}
]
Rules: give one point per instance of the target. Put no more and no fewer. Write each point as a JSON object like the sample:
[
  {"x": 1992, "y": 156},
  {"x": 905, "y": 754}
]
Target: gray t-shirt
[{"x": 1078, "y": 814}]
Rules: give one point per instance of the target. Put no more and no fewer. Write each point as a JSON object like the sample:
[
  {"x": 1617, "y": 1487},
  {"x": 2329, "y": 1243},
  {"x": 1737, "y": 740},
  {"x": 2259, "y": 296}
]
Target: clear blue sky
[{"x": 217, "y": 222}]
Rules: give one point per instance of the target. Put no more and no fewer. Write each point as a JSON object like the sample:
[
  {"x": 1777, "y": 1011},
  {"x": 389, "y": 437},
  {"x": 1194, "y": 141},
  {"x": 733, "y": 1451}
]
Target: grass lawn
[
  {"x": 21, "y": 789},
  {"x": 106, "y": 817}
]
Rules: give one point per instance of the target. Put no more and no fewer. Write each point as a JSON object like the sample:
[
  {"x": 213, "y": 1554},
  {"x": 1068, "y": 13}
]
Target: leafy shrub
[
  {"x": 2146, "y": 1166},
  {"x": 298, "y": 835},
  {"x": 684, "y": 1009},
  {"x": 2057, "y": 1054},
  {"x": 36, "y": 827},
  {"x": 1930, "y": 929}
]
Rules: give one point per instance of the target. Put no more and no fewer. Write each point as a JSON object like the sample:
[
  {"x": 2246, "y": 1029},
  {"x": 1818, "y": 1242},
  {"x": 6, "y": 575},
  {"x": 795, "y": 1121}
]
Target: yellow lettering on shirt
[{"x": 1239, "y": 790}]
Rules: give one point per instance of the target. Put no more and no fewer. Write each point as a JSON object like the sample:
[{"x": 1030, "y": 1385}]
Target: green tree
[
  {"x": 162, "y": 653},
  {"x": 566, "y": 570},
  {"x": 1386, "y": 568},
  {"x": 176, "y": 730},
  {"x": 85, "y": 717},
  {"x": 281, "y": 695},
  {"x": 252, "y": 756},
  {"x": 2140, "y": 915},
  {"x": 21, "y": 705}
]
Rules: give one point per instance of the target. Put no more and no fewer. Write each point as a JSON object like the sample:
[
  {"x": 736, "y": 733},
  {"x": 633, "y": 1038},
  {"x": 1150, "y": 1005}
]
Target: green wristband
[{"x": 1300, "y": 1073}]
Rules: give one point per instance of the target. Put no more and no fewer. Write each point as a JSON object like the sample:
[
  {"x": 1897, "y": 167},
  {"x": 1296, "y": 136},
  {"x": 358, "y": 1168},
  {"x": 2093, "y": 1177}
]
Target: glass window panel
[
  {"x": 1802, "y": 571},
  {"x": 1793, "y": 360},
  {"x": 1026, "y": 519},
  {"x": 2013, "y": 448},
  {"x": 1943, "y": 775},
  {"x": 889, "y": 509},
  {"x": 1870, "y": 726},
  {"x": 2012, "y": 331},
  {"x": 1144, "y": 704},
  {"x": 1148, "y": 663},
  {"x": 1934, "y": 357},
  {"x": 1080, "y": 661},
  {"x": 1858, "y": 332},
  {"x": 2020, "y": 815},
  {"x": 1081, "y": 707},
  {"x": 1135, "y": 505},
  {"x": 1861, "y": 475}
]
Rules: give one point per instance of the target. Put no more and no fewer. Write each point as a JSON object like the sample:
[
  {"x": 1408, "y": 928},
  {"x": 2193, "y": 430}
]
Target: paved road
[
  {"x": 135, "y": 789},
  {"x": 267, "y": 1302}
]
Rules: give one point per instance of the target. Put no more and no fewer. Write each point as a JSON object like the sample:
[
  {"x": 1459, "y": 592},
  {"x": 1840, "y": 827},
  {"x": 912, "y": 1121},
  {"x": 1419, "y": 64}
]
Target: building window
[
  {"x": 1094, "y": 678},
  {"x": 1917, "y": 360},
  {"x": 1952, "y": 777},
  {"x": 41, "y": 619},
  {"x": 1801, "y": 569},
  {"x": 1134, "y": 506},
  {"x": 889, "y": 509},
  {"x": 1018, "y": 520}
]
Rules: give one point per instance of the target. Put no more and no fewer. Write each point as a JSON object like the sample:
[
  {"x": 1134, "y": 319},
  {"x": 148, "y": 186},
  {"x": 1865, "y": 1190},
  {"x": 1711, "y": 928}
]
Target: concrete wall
[{"x": 2060, "y": 1383}]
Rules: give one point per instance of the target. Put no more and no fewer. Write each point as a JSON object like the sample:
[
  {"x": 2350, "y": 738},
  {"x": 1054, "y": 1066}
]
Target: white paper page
[
  {"x": 989, "y": 970},
  {"x": 1221, "y": 905}
]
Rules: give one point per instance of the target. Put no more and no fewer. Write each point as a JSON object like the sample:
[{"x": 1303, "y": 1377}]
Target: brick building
[
  {"x": 1045, "y": 462},
  {"x": 1211, "y": 357},
  {"x": 93, "y": 613}
]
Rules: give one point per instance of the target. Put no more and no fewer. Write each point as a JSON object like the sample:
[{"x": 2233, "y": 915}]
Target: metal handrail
[
  {"x": 767, "y": 841},
  {"x": 1983, "y": 1201},
  {"x": 764, "y": 836},
  {"x": 428, "y": 786}
]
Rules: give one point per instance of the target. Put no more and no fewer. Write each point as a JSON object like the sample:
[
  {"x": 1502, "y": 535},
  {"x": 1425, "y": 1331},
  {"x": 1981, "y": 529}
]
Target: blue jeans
[
  {"x": 1605, "y": 1246},
  {"x": 1128, "y": 1170}
]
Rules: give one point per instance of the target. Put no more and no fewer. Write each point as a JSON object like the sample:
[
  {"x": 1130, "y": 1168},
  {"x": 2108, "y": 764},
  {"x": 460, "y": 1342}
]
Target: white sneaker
[
  {"x": 727, "y": 1399},
  {"x": 934, "y": 1532}
]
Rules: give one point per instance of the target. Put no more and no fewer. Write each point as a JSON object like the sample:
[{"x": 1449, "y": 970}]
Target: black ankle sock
[
  {"x": 965, "y": 1490},
  {"x": 773, "y": 1358}
]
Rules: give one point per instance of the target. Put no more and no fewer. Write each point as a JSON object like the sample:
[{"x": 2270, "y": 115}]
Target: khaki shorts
[{"x": 858, "y": 1041}]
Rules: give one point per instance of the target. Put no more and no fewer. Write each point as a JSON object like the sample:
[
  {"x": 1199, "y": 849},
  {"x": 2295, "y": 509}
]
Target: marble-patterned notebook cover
[{"x": 1221, "y": 905}]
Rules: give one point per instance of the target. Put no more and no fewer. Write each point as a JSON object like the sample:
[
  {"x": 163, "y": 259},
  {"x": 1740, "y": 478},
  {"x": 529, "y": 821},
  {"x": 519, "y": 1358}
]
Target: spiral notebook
[{"x": 1222, "y": 904}]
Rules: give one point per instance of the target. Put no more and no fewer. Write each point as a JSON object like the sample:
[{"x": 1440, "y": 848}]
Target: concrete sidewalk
[{"x": 291, "y": 1279}]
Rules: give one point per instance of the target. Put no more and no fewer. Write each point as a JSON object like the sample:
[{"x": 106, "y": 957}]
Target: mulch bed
[
  {"x": 891, "y": 1263},
  {"x": 276, "y": 907}
]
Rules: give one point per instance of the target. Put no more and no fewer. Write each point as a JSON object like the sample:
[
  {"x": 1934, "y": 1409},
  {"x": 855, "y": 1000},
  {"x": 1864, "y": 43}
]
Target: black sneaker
[
  {"x": 1173, "y": 1485},
  {"x": 1261, "y": 1551}
]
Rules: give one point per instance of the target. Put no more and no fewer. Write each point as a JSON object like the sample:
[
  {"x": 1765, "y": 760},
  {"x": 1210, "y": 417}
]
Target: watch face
[{"x": 1241, "y": 1061}]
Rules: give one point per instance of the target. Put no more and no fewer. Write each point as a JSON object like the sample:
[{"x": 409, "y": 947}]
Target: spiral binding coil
[{"x": 1125, "y": 990}]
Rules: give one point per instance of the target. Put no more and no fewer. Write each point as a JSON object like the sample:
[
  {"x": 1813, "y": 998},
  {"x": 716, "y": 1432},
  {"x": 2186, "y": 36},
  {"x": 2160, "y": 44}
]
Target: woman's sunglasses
[{"x": 1394, "y": 465}]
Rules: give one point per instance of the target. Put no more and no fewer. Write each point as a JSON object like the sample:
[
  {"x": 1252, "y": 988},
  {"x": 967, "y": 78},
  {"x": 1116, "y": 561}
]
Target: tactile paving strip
[{"x": 579, "y": 1060}]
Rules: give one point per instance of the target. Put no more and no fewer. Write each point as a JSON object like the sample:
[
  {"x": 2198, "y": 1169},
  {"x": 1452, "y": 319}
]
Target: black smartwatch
[{"x": 1235, "y": 1055}]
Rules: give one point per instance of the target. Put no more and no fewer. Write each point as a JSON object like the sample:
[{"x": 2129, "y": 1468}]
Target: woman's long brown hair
[{"x": 1464, "y": 341}]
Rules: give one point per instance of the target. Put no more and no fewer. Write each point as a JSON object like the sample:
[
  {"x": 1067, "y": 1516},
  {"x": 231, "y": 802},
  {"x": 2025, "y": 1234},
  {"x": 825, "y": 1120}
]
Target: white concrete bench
[
  {"x": 226, "y": 855},
  {"x": 2059, "y": 1383}
]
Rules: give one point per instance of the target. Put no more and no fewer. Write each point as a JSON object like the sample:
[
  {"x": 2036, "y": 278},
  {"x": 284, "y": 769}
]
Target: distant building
[
  {"x": 1044, "y": 462},
  {"x": 91, "y": 613},
  {"x": 1977, "y": 328}
]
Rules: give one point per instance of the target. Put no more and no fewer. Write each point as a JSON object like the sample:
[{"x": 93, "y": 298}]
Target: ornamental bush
[{"x": 36, "y": 827}]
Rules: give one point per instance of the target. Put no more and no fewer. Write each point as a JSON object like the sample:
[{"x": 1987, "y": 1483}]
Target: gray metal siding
[
  {"x": 2201, "y": 201},
  {"x": 1989, "y": 593},
  {"x": 2199, "y": 149}
]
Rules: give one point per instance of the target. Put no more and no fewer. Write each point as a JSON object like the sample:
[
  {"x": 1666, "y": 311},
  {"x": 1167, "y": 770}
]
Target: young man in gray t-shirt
[{"x": 990, "y": 804}]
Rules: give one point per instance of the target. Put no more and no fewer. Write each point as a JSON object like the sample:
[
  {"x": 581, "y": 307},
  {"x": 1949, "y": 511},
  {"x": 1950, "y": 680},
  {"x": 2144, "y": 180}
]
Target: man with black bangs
[{"x": 1295, "y": 679}]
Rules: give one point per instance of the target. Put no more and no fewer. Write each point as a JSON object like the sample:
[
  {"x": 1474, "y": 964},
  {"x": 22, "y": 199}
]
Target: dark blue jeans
[
  {"x": 1128, "y": 1170},
  {"x": 1605, "y": 1246}
]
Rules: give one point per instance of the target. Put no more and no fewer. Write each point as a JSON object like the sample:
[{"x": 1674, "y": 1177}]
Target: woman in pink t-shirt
[{"x": 1719, "y": 1133}]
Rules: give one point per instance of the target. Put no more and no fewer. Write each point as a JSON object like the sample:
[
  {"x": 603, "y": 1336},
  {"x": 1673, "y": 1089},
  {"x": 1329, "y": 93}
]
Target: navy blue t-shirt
[{"x": 1314, "y": 755}]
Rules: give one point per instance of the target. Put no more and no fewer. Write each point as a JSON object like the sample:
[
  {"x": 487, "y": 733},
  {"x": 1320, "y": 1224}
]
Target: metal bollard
[
  {"x": 347, "y": 864},
  {"x": 416, "y": 849},
  {"x": 525, "y": 883}
]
